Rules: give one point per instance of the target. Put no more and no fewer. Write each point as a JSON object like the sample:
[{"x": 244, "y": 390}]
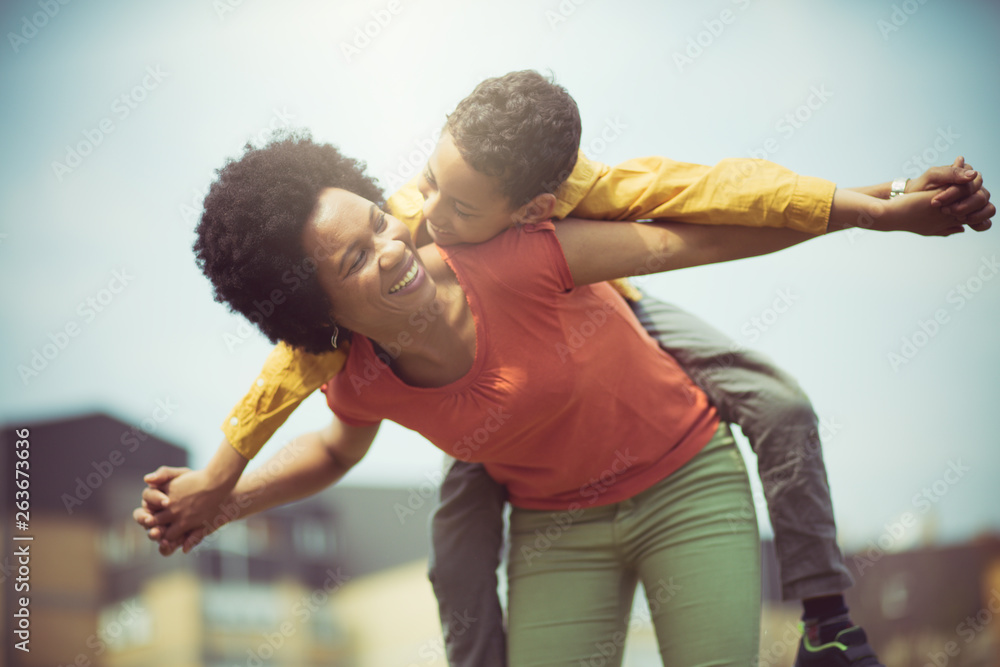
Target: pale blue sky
[{"x": 221, "y": 77}]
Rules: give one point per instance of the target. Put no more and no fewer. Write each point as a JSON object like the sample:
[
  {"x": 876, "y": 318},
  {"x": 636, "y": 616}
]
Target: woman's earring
[{"x": 333, "y": 338}]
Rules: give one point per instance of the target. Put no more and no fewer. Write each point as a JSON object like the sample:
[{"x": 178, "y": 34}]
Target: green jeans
[{"x": 572, "y": 575}]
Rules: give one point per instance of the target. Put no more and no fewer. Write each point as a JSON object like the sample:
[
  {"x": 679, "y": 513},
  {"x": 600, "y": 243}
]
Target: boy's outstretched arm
[
  {"x": 741, "y": 191},
  {"x": 915, "y": 212},
  {"x": 960, "y": 193},
  {"x": 735, "y": 191}
]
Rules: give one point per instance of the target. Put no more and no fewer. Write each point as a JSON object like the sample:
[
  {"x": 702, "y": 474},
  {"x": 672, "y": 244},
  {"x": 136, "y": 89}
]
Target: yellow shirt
[{"x": 734, "y": 192}]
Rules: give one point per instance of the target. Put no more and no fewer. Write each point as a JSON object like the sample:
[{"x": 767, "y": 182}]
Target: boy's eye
[
  {"x": 381, "y": 223},
  {"x": 461, "y": 213}
]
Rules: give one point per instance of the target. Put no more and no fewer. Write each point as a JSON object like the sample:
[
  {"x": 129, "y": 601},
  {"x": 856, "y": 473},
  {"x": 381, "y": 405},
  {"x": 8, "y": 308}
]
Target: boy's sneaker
[{"x": 850, "y": 648}]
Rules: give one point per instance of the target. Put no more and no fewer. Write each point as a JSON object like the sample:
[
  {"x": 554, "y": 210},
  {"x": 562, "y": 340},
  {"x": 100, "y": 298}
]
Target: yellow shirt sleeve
[
  {"x": 288, "y": 377},
  {"x": 407, "y": 206},
  {"x": 736, "y": 191}
]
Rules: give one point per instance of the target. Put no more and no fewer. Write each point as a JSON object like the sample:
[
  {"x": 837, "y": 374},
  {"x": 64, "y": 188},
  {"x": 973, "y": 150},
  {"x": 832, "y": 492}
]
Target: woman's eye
[
  {"x": 358, "y": 263},
  {"x": 381, "y": 223},
  {"x": 461, "y": 214}
]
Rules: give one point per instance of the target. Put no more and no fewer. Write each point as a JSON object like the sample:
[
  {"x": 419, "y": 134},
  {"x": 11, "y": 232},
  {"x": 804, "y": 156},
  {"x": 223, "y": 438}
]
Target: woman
[{"x": 516, "y": 354}]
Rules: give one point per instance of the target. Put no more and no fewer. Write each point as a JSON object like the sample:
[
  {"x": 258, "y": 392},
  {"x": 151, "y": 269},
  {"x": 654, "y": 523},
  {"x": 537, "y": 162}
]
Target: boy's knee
[
  {"x": 783, "y": 427},
  {"x": 436, "y": 574},
  {"x": 777, "y": 396},
  {"x": 445, "y": 577},
  {"x": 792, "y": 409},
  {"x": 456, "y": 586}
]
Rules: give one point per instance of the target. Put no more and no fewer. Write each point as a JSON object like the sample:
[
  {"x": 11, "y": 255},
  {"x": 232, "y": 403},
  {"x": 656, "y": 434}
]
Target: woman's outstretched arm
[{"x": 179, "y": 512}]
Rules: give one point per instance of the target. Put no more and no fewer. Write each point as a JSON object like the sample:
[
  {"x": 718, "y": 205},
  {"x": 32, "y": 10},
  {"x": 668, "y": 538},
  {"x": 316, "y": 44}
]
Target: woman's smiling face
[{"x": 367, "y": 264}]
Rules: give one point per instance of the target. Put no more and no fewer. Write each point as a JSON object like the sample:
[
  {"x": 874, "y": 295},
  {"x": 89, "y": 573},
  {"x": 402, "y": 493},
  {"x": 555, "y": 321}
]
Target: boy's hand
[
  {"x": 960, "y": 193},
  {"x": 180, "y": 506},
  {"x": 917, "y": 213}
]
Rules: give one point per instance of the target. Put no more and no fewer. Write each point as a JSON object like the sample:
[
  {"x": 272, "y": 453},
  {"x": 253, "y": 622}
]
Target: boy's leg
[
  {"x": 778, "y": 420},
  {"x": 466, "y": 539}
]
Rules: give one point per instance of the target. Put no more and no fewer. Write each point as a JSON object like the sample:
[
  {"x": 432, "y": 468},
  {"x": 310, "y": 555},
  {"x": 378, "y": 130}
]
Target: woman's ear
[{"x": 540, "y": 208}]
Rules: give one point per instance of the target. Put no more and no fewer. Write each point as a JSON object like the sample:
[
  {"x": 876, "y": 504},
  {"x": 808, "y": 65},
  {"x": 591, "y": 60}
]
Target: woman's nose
[{"x": 393, "y": 252}]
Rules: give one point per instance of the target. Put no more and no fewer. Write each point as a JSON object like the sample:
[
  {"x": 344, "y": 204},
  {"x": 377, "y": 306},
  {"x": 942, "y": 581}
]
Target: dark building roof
[{"x": 71, "y": 459}]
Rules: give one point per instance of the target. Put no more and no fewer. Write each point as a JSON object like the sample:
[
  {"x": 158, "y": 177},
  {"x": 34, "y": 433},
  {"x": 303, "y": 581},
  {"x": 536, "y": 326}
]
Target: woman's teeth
[{"x": 407, "y": 279}]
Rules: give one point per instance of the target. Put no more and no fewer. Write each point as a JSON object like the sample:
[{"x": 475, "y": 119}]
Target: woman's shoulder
[{"x": 525, "y": 258}]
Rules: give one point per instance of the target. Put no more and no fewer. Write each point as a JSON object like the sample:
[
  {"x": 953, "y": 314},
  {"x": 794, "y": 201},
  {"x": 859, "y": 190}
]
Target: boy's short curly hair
[
  {"x": 520, "y": 128},
  {"x": 250, "y": 235}
]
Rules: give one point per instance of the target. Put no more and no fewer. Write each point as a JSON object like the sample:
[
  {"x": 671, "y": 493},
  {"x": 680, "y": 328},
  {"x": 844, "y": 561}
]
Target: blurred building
[
  {"x": 928, "y": 606},
  {"x": 258, "y": 592},
  {"x": 936, "y": 605}
]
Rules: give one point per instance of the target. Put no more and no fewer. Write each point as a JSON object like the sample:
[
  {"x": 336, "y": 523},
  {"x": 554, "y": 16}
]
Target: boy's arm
[
  {"x": 738, "y": 192},
  {"x": 288, "y": 377},
  {"x": 960, "y": 192},
  {"x": 733, "y": 192}
]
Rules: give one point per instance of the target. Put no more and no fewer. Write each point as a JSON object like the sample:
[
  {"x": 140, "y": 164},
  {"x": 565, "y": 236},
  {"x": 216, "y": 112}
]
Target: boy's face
[{"x": 461, "y": 205}]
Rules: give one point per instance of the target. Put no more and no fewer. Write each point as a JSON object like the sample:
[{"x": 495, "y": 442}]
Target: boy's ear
[{"x": 540, "y": 208}]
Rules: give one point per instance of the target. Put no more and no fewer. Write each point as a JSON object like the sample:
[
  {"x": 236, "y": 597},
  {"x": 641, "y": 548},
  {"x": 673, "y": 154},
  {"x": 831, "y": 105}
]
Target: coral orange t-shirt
[{"x": 569, "y": 402}]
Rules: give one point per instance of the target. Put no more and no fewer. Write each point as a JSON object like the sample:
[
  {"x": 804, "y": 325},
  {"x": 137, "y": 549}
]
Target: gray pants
[{"x": 747, "y": 389}]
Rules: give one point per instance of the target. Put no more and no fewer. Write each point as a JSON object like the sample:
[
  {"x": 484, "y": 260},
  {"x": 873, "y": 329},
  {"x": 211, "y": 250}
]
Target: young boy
[{"x": 540, "y": 174}]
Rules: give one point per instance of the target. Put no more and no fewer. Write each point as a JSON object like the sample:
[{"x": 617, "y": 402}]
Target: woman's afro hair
[{"x": 250, "y": 235}]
